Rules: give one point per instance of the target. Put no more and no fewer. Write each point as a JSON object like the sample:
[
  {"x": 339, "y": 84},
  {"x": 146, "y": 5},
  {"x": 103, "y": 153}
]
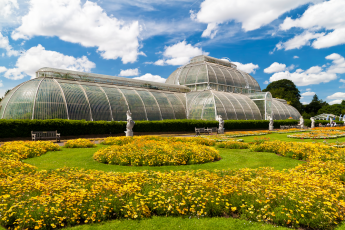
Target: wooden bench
[
  {"x": 40, "y": 135},
  {"x": 213, "y": 129},
  {"x": 198, "y": 131}
]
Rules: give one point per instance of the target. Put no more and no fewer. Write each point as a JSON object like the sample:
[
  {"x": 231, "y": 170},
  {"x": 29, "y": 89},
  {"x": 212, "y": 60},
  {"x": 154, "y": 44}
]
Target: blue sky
[{"x": 300, "y": 40}]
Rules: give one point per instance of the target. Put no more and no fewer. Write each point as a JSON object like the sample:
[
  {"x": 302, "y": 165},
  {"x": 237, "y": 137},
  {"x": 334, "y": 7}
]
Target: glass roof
[
  {"x": 204, "y": 72},
  {"x": 106, "y": 79}
]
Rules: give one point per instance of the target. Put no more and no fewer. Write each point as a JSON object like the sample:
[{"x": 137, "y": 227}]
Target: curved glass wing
[
  {"x": 118, "y": 103},
  {"x": 77, "y": 103},
  {"x": 50, "y": 103},
  {"x": 21, "y": 104}
]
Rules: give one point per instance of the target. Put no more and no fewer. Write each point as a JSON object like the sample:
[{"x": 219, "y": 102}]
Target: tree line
[{"x": 287, "y": 90}]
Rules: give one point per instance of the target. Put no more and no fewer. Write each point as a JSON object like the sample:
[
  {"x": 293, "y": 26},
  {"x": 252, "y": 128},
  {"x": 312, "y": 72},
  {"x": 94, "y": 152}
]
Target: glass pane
[
  {"x": 246, "y": 108},
  {"x": 211, "y": 74},
  {"x": 238, "y": 108},
  {"x": 4, "y": 101},
  {"x": 117, "y": 102},
  {"x": 220, "y": 108},
  {"x": 202, "y": 75},
  {"x": 191, "y": 76},
  {"x": 209, "y": 110},
  {"x": 21, "y": 104},
  {"x": 228, "y": 78},
  {"x": 135, "y": 104},
  {"x": 164, "y": 105},
  {"x": 77, "y": 104},
  {"x": 152, "y": 110},
  {"x": 182, "y": 77},
  {"x": 195, "y": 106},
  {"x": 98, "y": 102},
  {"x": 172, "y": 79},
  {"x": 276, "y": 113},
  {"x": 201, "y": 87},
  {"x": 179, "y": 109},
  {"x": 219, "y": 75},
  {"x": 50, "y": 103},
  {"x": 229, "y": 108}
]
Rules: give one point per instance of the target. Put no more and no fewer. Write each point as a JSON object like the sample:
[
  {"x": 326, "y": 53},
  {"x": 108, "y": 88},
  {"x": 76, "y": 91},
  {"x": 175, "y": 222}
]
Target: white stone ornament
[
  {"x": 301, "y": 122},
  {"x": 221, "y": 124},
  {"x": 130, "y": 124},
  {"x": 312, "y": 122},
  {"x": 270, "y": 126}
]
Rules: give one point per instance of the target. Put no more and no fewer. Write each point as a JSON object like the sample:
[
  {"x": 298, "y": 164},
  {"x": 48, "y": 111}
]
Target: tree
[
  {"x": 314, "y": 106},
  {"x": 335, "y": 109},
  {"x": 287, "y": 90}
]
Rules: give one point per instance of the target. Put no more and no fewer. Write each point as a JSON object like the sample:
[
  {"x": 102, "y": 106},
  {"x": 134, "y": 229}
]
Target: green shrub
[{"x": 23, "y": 128}]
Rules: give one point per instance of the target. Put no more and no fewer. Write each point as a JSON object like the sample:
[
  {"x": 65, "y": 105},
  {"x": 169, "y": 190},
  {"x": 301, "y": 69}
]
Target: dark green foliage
[
  {"x": 335, "y": 109},
  {"x": 287, "y": 90},
  {"x": 314, "y": 106},
  {"x": 23, "y": 128}
]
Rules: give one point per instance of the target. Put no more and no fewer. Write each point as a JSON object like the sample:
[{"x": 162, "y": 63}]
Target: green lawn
[
  {"x": 177, "y": 223},
  {"x": 231, "y": 158},
  {"x": 283, "y": 137}
]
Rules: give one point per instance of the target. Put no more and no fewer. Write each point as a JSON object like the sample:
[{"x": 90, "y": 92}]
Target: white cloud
[
  {"x": 338, "y": 95},
  {"x": 342, "y": 80},
  {"x": 304, "y": 103},
  {"x": 2, "y": 69},
  {"x": 252, "y": 14},
  {"x": 7, "y": 7},
  {"x": 150, "y": 77},
  {"x": 129, "y": 72},
  {"x": 179, "y": 54},
  {"x": 308, "y": 89},
  {"x": 315, "y": 74},
  {"x": 338, "y": 63},
  {"x": 37, "y": 57},
  {"x": 335, "y": 102},
  {"x": 308, "y": 94},
  {"x": 210, "y": 31},
  {"x": 85, "y": 24},
  {"x": 1, "y": 84},
  {"x": 314, "y": 69},
  {"x": 295, "y": 57},
  {"x": 275, "y": 67},
  {"x": 298, "y": 41},
  {"x": 5, "y": 44},
  {"x": 332, "y": 20},
  {"x": 266, "y": 82},
  {"x": 248, "y": 68}
]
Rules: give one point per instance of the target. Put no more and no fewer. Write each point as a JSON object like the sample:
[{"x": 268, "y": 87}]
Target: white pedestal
[
  {"x": 313, "y": 126},
  {"x": 271, "y": 127},
  {"x": 129, "y": 133},
  {"x": 221, "y": 131}
]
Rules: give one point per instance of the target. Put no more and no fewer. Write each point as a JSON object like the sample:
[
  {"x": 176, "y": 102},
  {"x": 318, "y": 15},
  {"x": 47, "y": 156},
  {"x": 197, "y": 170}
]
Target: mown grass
[
  {"x": 283, "y": 137},
  {"x": 231, "y": 158},
  {"x": 177, "y": 223}
]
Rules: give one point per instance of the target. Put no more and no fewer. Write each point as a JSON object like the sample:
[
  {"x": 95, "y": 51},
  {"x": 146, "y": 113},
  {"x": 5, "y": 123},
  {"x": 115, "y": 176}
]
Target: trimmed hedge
[
  {"x": 23, "y": 128},
  {"x": 307, "y": 122}
]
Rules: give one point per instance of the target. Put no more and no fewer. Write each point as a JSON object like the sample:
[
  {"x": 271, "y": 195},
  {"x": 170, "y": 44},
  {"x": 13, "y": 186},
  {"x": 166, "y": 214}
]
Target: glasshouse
[{"x": 202, "y": 89}]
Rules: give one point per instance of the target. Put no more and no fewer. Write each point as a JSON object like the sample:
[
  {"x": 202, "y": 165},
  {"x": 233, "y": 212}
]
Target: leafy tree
[
  {"x": 287, "y": 90},
  {"x": 335, "y": 109},
  {"x": 314, "y": 106},
  {"x": 7, "y": 91}
]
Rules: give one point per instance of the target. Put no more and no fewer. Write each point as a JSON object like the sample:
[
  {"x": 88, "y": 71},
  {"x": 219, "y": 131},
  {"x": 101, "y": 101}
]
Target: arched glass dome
[
  {"x": 210, "y": 103},
  {"x": 204, "y": 72},
  {"x": 281, "y": 110},
  {"x": 48, "y": 98}
]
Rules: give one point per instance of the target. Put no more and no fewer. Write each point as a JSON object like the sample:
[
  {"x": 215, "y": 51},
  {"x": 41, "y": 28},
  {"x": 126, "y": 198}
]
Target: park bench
[
  {"x": 40, "y": 135},
  {"x": 198, "y": 131}
]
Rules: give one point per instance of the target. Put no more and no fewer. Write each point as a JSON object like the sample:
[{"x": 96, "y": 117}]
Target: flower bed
[
  {"x": 26, "y": 149},
  {"x": 80, "y": 143},
  {"x": 233, "y": 145},
  {"x": 126, "y": 140},
  {"x": 319, "y": 134},
  {"x": 156, "y": 153},
  {"x": 310, "y": 196}
]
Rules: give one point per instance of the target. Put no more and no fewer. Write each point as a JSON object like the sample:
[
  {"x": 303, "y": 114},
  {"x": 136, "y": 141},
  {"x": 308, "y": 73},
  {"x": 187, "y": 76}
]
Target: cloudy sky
[{"x": 300, "y": 40}]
